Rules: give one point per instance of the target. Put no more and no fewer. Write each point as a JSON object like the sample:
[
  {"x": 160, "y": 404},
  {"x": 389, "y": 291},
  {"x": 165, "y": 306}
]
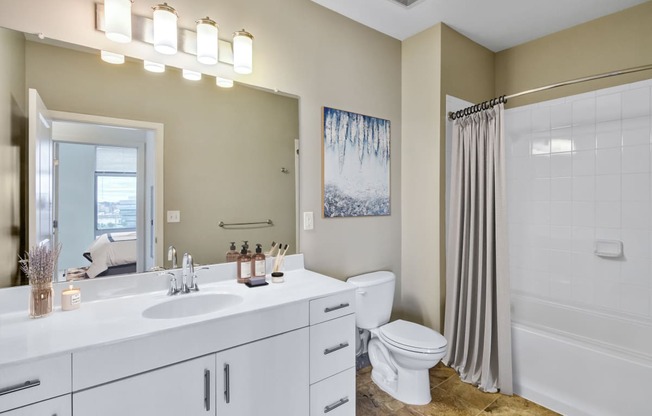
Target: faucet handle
[
  {"x": 172, "y": 287},
  {"x": 193, "y": 279}
]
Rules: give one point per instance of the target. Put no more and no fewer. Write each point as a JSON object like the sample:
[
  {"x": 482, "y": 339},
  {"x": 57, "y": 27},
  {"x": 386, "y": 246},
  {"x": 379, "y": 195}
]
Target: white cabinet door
[
  {"x": 266, "y": 377},
  {"x": 180, "y": 389}
]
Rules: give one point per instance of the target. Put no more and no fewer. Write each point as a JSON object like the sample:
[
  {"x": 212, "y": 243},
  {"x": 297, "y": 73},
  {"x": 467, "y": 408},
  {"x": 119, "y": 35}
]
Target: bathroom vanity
[{"x": 282, "y": 349}]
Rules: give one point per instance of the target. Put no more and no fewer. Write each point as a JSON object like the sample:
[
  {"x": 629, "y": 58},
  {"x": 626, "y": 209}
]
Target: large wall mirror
[{"x": 229, "y": 155}]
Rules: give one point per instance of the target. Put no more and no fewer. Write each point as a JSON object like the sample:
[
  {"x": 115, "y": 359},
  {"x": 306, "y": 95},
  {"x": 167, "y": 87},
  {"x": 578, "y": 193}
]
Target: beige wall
[
  {"x": 12, "y": 128},
  {"x": 224, "y": 148},
  {"x": 421, "y": 88},
  {"x": 614, "y": 42},
  {"x": 436, "y": 62},
  {"x": 300, "y": 48}
]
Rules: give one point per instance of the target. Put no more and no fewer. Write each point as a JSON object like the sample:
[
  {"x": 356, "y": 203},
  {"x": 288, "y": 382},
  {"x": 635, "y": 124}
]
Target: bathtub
[{"x": 581, "y": 363}]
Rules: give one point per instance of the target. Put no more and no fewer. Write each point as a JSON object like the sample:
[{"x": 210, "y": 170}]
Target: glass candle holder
[{"x": 41, "y": 299}]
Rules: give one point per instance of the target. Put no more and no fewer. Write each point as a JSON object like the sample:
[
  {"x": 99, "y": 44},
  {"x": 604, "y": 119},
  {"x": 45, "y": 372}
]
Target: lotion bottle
[
  {"x": 258, "y": 263},
  {"x": 244, "y": 266},
  {"x": 232, "y": 254}
]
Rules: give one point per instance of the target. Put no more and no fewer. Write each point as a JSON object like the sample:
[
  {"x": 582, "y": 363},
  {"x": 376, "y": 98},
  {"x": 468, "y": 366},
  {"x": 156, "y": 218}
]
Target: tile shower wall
[{"x": 579, "y": 169}]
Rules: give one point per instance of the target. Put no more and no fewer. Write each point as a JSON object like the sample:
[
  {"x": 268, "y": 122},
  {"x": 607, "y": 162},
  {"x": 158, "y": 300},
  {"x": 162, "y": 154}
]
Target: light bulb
[
  {"x": 112, "y": 58},
  {"x": 243, "y": 52},
  {"x": 165, "y": 29},
  {"x": 117, "y": 20},
  {"x": 191, "y": 75},
  {"x": 154, "y": 67},
  {"x": 224, "y": 82},
  {"x": 207, "y": 32}
]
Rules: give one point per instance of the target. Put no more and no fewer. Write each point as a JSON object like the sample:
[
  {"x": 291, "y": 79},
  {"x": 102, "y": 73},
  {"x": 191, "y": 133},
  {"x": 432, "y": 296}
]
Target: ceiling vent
[{"x": 406, "y": 3}]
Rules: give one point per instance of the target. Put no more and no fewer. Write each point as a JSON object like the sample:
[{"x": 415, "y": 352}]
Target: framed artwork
[{"x": 355, "y": 164}]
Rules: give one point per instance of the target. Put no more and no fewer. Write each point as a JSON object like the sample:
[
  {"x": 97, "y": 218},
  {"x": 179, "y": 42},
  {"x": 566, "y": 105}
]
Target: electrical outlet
[
  {"x": 308, "y": 223},
  {"x": 174, "y": 216}
]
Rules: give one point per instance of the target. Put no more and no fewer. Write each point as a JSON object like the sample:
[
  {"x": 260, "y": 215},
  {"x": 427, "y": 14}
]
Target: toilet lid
[{"x": 411, "y": 336}]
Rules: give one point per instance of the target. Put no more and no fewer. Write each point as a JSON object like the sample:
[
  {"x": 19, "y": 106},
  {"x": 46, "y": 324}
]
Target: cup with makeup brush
[{"x": 277, "y": 274}]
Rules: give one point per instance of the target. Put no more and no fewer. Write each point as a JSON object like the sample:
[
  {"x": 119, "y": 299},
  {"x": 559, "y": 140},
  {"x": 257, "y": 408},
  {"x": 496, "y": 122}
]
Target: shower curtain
[{"x": 477, "y": 321}]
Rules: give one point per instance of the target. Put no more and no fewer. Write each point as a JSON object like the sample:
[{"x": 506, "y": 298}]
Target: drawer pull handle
[
  {"x": 18, "y": 387},
  {"x": 337, "y": 404},
  {"x": 336, "y": 348},
  {"x": 207, "y": 389},
  {"x": 334, "y": 308},
  {"x": 227, "y": 381}
]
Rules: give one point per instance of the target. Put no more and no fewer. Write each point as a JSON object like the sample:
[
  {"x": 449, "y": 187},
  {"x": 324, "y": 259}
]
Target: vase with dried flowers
[{"x": 39, "y": 265}]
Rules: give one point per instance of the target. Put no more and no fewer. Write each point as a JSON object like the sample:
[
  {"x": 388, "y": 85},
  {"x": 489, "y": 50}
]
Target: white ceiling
[{"x": 495, "y": 24}]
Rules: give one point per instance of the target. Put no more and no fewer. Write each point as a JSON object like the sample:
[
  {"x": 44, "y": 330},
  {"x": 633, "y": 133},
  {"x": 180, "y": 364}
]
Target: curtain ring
[{"x": 504, "y": 99}]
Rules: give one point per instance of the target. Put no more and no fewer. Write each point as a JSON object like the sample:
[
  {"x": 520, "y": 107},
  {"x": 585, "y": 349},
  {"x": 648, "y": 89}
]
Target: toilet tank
[{"x": 373, "y": 298}]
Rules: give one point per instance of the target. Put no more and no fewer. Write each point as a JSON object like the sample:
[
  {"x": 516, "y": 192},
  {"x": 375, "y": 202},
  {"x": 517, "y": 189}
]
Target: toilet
[{"x": 401, "y": 352}]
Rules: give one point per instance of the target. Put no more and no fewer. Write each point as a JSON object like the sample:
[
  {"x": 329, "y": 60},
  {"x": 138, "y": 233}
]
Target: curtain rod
[{"x": 503, "y": 99}]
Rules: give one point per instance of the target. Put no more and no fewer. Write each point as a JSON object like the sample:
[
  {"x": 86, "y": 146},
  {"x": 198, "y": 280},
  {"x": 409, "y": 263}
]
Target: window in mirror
[{"x": 115, "y": 189}]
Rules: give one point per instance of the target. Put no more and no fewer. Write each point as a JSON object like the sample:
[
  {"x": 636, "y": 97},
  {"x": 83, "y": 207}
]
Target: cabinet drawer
[
  {"x": 331, "y": 307},
  {"x": 334, "y": 396},
  {"x": 59, "y": 406},
  {"x": 30, "y": 382},
  {"x": 332, "y": 347}
]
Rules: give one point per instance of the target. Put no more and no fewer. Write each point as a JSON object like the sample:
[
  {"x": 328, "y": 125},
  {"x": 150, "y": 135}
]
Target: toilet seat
[{"x": 412, "y": 337}]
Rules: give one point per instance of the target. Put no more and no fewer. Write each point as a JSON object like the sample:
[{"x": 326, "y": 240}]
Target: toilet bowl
[{"x": 401, "y": 352}]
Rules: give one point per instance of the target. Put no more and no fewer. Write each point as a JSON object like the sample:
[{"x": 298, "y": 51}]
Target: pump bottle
[{"x": 244, "y": 266}]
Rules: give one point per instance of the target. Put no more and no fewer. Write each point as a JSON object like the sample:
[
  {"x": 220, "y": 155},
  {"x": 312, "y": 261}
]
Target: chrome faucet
[
  {"x": 172, "y": 256},
  {"x": 188, "y": 271}
]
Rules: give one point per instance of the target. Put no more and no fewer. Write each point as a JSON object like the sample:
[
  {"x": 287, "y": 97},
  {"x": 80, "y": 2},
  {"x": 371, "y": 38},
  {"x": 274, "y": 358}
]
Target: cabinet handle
[
  {"x": 18, "y": 387},
  {"x": 227, "y": 390},
  {"x": 340, "y": 402},
  {"x": 207, "y": 389},
  {"x": 334, "y": 308},
  {"x": 336, "y": 348}
]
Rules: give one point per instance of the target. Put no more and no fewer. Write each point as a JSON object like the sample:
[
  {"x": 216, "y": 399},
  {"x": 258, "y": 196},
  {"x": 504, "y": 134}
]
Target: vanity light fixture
[
  {"x": 224, "y": 82},
  {"x": 112, "y": 58},
  {"x": 207, "y": 32},
  {"x": 242, "y": 52},
  {"x": 118, "y": 20},
  {"x": 154, "y": 67},
  {"x": 191, "y": 75},
  {"x": 165, "y": 29}
]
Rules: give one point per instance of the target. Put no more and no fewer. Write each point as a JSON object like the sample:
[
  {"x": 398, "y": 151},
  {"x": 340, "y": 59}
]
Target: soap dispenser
[
  {"x": 258, "y": 264},
  {"x": 244, "y": 266},
  {"x": 232, "y": 254}
]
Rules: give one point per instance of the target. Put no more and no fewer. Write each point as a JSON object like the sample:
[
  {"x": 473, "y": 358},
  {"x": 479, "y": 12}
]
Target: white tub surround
[
  {"x": 579, "y": 202},
  {"x": 264, "y": 346}
]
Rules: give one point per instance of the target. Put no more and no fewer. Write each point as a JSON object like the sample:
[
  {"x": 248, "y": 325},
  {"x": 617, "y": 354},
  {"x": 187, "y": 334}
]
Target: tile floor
[{"x": 450, "y": 397}]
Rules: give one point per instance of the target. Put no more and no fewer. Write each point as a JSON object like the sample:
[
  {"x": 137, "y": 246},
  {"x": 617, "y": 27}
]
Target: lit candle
[{"x": 70, "y": 298}]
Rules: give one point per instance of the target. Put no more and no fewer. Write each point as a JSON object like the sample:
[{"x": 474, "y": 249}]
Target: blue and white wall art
[{"x": 356, "y": 164}]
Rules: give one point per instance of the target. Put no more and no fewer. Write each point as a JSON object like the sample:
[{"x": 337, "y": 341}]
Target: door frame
[{"x": 152, "y": 207}]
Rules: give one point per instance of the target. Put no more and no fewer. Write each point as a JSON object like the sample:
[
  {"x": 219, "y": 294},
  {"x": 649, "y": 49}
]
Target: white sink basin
[{"x": 184, "y": 306}]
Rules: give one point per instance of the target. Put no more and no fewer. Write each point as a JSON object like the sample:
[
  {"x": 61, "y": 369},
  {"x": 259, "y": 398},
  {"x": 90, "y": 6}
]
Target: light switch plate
[
  {"x": 174, "y": 216},
  {"x": 308, "y": 223}
]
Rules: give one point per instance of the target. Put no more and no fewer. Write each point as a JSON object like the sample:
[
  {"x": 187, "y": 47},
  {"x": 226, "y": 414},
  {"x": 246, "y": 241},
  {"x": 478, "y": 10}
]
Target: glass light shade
[
  {"x": 207, "y": 32},
  {"x": 112, "y": 58},
  {"x": 243, "y": 52},
  {"x": 165, "y": 29},
  {"x": 191, "y": 75},
  {"x": 117, "y": 20},
  {"x": 154, "y": 67},
  {"x": 223, "y": 82}
]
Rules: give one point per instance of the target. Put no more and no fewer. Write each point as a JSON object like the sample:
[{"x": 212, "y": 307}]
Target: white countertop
[{"x": 116, "y": 319}]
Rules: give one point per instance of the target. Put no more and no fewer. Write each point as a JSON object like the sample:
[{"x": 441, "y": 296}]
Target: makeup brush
[{"x": 270, "y": 252}]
